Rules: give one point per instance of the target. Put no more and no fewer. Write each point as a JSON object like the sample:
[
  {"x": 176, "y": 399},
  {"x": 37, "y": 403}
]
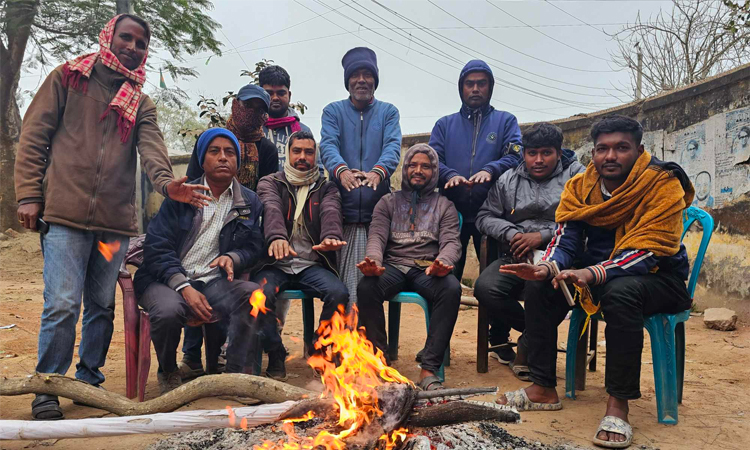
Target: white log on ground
[{"x": 174, "y": 422}]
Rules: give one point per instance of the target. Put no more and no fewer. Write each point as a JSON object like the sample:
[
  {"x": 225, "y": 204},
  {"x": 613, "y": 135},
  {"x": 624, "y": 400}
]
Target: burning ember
[
  {"x": 108, "y": 250},
  {"x": 258, "y": 301},
  {"x": 351, "y": 370}
]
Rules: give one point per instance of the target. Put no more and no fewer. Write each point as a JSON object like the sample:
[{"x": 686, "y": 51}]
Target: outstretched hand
[
  {"x": 178, "y": 191},
  {"x": 225, "y": 263},
  {"x": 329, "y": 245},
  {"x": 455, "y": 181},
  {"x": 370, "y": 268},
  {"x": 526, "y": 271},
  {"x": 438, "y": 269},
  {"x": 280, "y": 249},
  {"x": 480, "y": 177}
]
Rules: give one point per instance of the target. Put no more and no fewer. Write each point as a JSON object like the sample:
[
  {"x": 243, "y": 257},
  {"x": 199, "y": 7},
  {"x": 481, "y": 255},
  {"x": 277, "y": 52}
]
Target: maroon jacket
[{"x": 322, "y": 212}]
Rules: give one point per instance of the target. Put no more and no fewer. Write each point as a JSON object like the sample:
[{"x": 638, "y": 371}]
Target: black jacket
[{"x": 173, "y": 231}]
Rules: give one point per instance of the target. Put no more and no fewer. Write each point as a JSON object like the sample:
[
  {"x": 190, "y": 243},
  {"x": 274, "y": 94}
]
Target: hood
[
  {"x": 430, "y": 152},
  {"x": 475, "y": 65},
  {"x": 568, "y": 157}
]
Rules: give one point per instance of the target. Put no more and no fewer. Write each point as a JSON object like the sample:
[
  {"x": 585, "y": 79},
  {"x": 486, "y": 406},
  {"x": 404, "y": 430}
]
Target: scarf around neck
[
  {"x": 645, "y": 212},
  {"x": 302, "y": 180},
  {"x": 76, "y": 74},
  {"x": 280, "y": 122}
]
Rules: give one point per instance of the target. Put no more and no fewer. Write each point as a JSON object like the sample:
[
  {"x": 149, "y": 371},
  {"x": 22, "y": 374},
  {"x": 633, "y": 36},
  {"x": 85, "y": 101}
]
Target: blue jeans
[{"x": 74, "y": 269}]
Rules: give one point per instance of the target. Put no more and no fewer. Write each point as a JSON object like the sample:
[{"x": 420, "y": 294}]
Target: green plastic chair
[{"x": 667, "y": 333}]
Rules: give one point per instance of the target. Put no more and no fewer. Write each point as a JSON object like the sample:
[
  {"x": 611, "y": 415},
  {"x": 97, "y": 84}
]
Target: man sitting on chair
[
  {"x": 627, "y": 209},
  {"x": 191, "y": 255},
  {"x": 413, "y": 245},
  {"x": 303, "y": 230},
  {"x": 519, "y": 214}
]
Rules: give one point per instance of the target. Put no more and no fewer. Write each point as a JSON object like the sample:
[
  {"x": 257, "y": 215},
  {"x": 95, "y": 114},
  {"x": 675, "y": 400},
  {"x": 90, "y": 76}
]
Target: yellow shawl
[{"x": 646, "y": 211}]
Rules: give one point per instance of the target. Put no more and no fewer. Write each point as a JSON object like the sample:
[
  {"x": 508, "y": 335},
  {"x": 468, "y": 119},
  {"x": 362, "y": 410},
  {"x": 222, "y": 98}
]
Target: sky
[{"x": 551, "y": 59}]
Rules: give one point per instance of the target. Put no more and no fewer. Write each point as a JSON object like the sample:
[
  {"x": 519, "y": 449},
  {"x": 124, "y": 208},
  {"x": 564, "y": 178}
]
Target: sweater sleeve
[
  {"x": 39, "y": 125},
  {"x": 151, "y": 147},
  {"x": 511, "y": 157},
  {"x": 628, "y": 263},
  {"x": 437, "y": 142},
  {"x": 160, "y": 256},
  {"x": 380, "y": 230},
  {"x": 274, "y": 225},
  {"x": 330, "y": 141},
  {"x": 331, "y": 219},
  {"x": 450, "y": 235},
  {"x": 391, "y": 153},
  {"x": 566, "y": 244}
]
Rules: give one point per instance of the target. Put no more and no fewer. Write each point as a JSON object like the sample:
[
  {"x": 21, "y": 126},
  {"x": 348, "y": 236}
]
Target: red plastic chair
[{"x": 137, "y": 325}]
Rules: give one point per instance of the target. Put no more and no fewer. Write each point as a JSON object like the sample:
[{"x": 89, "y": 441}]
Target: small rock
[
  {"x": 31, "y": 247},
  {"x": 5, "y": 244},
  {"x": 721, "y": 319},
  {"x": 10, "y": 232},
  {"x": 4, "y": 237}
]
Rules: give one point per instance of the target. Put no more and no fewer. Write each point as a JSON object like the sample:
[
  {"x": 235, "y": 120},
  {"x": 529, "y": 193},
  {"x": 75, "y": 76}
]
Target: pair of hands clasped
[
  {"x": 371, "y": 268},
  {"x": 280, "y": 248},
  {"x": 478, "y": 178},
  {"x": 353, "y": 178},
  {"x": 531, "y": 272}
]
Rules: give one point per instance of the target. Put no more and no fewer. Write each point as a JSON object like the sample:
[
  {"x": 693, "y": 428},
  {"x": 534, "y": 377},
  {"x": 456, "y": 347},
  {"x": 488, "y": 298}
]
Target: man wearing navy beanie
[{"x": 360, "y": 147}]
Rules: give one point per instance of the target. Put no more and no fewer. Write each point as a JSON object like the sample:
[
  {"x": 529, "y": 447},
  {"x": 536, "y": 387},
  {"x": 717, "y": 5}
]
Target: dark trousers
[
  {"x": 625, "y": 301},
  {"x": 500, "y": 294},
  {"x": 168, "y": 313},
  {"x": 442, "y": 293},
  {"x": 468, "y": 230},
  {"x": 316, "y": 281},
  {"x": 192, "y": 342}
]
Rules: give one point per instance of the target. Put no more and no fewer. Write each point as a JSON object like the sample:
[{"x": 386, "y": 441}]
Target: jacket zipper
[
  {"x": 477, "y": 124},
  {"x": 99, "y": 161}
]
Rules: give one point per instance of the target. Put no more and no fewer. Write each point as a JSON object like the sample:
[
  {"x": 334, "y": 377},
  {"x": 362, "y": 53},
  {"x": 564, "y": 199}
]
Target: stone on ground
[{"x": 721, "y": 319}]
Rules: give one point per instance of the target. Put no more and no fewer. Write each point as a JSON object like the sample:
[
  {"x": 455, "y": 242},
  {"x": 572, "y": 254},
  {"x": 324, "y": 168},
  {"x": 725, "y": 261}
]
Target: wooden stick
[
  {"x": 563, "y": 286},
  {"x": 421, "y": 395},
  {"x": 462, "y": 411},
  {"x": 234, "y": 384}
]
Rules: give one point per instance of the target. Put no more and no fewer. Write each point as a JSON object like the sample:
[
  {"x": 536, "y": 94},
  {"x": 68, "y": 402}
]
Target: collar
[
  {"x": 469, "y": 113},
  {"x": 605, "y": 192},
  {"x": 231, "y": 188}
]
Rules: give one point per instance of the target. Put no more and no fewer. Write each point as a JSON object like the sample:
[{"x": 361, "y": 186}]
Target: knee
[
  {"x": 169, "y": 314},
  {"x": 452, "y": 289},
  {"x": 482, "y": 287},
  {"x": 339, "y": 294}
]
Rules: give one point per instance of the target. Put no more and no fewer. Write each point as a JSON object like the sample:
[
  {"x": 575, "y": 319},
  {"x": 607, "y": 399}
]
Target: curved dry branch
[
  {"x": 461, "y": 411},
  {"x": 235, "y": 384}
]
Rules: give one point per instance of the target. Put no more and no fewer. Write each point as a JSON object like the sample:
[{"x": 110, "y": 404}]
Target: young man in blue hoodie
[
  {"x": 360, "y": 148},
  {"x": 475, "y": 146}
]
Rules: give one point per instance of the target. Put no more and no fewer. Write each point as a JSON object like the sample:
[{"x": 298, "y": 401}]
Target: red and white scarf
[{"x": 76, "y": 73}]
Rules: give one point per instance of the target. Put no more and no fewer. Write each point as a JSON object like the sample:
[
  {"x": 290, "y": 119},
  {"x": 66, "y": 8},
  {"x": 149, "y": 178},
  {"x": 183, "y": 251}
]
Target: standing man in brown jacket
[
  {"x": 303, "y": 228},
  {"x": 413, "y": 244},
  {"x": 75, "y": 182}
]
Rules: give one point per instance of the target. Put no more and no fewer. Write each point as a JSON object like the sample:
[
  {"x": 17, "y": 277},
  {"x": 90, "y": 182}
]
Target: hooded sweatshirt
[
  {"x": 367, "y": 140},
  {"x": 401, "y": 234},
  {"x": 473, "y": 140},
  {"x": 280, "y": 136},
  {"x": 517, "y": 203}
]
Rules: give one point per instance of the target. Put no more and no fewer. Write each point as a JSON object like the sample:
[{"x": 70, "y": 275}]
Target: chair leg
[
  {"x": 308, "y": 324},
  {"x": 662, "y": 332},
  {"x": 593, "y": 336},
  {"x": 679, "y": 347},
  {"x": 144, "y": 355},
  {"x": 482, "y": 340},
  {"x": 582, "y": 353},
  {"x": 131, "y": 322},
  {"x": 571, "y": 353},
  {"x": 394, "y": 325}
]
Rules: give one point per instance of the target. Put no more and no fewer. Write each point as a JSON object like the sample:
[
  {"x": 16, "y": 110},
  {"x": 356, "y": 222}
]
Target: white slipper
[
  {"x": 614, "y": 424},
  {"x": 519, "y": 400}
]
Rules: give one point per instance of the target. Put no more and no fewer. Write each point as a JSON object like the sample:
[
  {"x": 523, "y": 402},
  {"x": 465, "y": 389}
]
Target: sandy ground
[{"x": 712, "y": 416}]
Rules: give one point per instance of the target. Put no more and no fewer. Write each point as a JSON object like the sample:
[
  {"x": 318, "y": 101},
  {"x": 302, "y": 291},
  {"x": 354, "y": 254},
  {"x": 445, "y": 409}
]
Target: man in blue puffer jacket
[
  {"x": 475, "y": 146},
  {"x": 360, "y": 148}
]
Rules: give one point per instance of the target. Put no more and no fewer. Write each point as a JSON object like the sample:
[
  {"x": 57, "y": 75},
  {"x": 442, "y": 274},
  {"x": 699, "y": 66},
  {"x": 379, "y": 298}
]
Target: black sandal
[
  {"x": 431, "y": 383},
  {"x": 46, "y": 407}
]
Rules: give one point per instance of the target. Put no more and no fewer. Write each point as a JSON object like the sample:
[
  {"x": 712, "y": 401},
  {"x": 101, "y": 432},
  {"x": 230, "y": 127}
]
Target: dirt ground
[{"x": 712, "y": 416}]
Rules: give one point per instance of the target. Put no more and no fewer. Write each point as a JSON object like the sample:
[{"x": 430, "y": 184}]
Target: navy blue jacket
[
  {"x": 473, "y": 140},
  {"x": 174, "y": 230}
]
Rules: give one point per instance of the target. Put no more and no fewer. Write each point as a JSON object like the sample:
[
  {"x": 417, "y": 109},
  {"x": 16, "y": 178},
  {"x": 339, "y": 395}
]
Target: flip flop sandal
[
  {"x": 521, "y": 372},
  {"x": 612, "y": 424},
  {"x": 519, "y": 400},
  {"x": 46, "y": 407},
  {"x": 431, "y": 383}
]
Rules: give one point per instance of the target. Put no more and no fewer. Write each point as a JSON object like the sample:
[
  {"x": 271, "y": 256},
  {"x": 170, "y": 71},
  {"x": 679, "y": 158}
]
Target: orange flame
[
  {"x": 351, "y": 370},
  {"x": 108, "y": 250},
  {"x": 258, "y": 300}
]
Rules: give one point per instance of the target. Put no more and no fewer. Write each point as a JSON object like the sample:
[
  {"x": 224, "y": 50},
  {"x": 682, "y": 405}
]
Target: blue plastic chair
[{"x": 667, "y": 333}]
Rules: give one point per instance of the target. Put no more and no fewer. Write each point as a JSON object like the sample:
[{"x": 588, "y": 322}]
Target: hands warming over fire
[
  {"x": 370, "y": 268},
  {"x": 329, "y": 245},
  {"x": 226, "y": 264},
  {"x": 280, "y": 249},
  {"x": 438, "y": 269}
]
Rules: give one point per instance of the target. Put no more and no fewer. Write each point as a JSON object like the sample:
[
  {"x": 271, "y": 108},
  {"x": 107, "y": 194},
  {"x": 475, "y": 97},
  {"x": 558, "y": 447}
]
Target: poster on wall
[
  {"x": 697, "y": 158},
  {"x": 733, "y": 178}
]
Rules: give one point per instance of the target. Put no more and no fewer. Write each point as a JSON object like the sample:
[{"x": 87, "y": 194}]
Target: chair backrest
[
  {"x": 689, "y": 216},
  {"x": 134, "y": 255}
]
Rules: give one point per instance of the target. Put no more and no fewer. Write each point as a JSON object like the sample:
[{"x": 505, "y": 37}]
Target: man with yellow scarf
[{"x": 620, "y": 224}]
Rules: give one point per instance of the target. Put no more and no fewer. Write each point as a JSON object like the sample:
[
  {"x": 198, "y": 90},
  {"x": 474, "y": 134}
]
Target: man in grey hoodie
[
  {"x": 413, "y": 245},
  {"x": 520, "y": 214}
]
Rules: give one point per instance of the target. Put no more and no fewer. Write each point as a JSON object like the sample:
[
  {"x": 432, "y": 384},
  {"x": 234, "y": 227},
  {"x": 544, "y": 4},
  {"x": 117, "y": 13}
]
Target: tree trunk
[{"x": 19, "y": 19}]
